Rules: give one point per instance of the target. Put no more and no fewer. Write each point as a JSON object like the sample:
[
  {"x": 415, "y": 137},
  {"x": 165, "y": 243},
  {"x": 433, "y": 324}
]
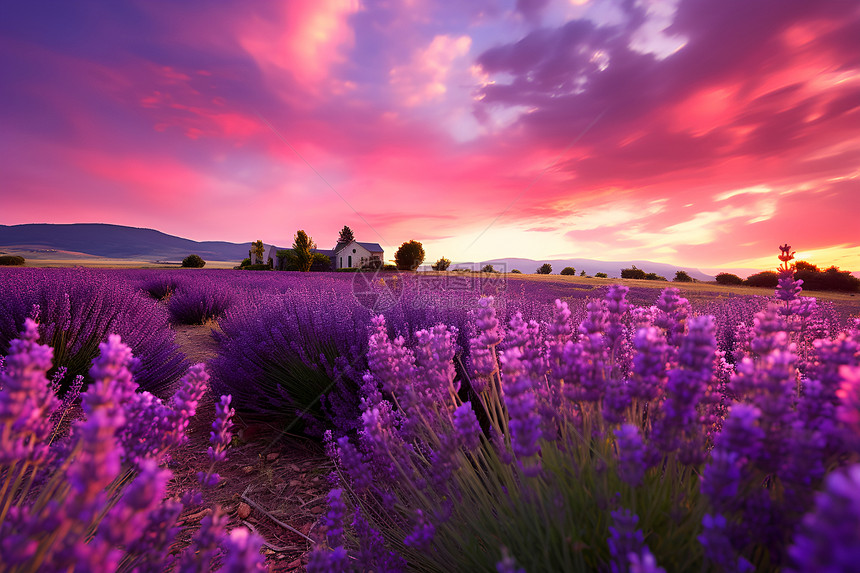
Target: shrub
[
  {"x": 544, "y": 269},
  {"x": 441, "y": 265},
  {"x": 193, "y": 262},
  {"x": 409, "y": 256},
  {"x": 729, "y": 279},
  {"x": 682, "y": 277},
  {"x": 516, "y": 272},
  {"x": 633, "y": 273},
  {"x": 11, "y": 261},
  {"x": 280, "y": 353},
  {"x": 78, "y": 308},
  {"x": 488, "y": 269},
  {"x": 199, "y": 302},
  {"x": 320, "y": 263},
  {"x": 246, "y": 262},
  {"x": 763, "y": 279},
  {"x": 582, "y": 274},
  {"x": 160, "y": 286},
  {"x": 830, "y": 279},
  {"x": 389, "y": 267},
  {"x": 568, "y": 271},
  {"x": 95, "y": 501},
  {"x": 601, "y": 276}
]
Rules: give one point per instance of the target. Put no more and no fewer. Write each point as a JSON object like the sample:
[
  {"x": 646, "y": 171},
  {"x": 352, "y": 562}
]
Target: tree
[
  {"x": 320, "y": 262},
  {"x": 682, "y": 277},
  {"x": 301, "y": 255},
  {"x": 256, "y": 252},
  {"x": 632, "y": 273},
  {"x": 729, "y": 279},
  {"x": 601, "y": 276},
  {"x": 516, "y": 272},
  {"x": 488, "y": 269},
  {"x": 441, "y": 265},
  {"x": 11, "y": 260},
  {"x": 346, "y": 236},
  {"x": 762, "y": 279},
  {"x": 409, "y": 256},
  {"x": 804, "y": 266},
  {"x": 193, "y": 262},
  {"x": 544, "y": 269},
  {"x": 582, "y": 273},
  {"x": 568, "y": 271}
]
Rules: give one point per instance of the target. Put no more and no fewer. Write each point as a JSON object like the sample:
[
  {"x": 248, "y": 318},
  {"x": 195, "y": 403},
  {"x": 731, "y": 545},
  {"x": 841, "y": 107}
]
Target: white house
[
  {"x": 356, "y": 255},
  {"x": 344, "y": 255}
]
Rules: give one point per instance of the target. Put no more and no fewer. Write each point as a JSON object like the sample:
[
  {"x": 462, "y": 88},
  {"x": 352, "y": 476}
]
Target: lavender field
[{"x": 475, "y": 422}]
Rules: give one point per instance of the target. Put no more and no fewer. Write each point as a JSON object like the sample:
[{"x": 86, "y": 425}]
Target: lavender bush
[
  {"x": 95, "y": 501},
  {"x": 628, "y": 443},
  {"x": 200, "y": 300},
  {"x": 76, "y": 309}
]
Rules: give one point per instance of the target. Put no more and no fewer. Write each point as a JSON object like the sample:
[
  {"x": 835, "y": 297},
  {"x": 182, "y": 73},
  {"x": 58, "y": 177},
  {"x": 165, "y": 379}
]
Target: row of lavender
[
  {"x": 630, "y": 443},
  {"x": 94, "y": 498}
]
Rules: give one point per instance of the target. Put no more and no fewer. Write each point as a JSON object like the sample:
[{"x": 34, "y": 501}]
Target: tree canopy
[
  {"x": 409, "y": 256},
  {"x": 346, "y": 236},
  {"x": 441, "y": 265},
  {"x": 301, "y": 255},
  {"x": 544, "y": 269}
]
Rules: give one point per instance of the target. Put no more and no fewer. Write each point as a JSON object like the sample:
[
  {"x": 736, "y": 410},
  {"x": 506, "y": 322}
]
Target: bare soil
[{"x": 272, "y": 483}]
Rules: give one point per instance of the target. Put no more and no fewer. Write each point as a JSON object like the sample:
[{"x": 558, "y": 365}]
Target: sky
[{"x": 703, "y": 133}]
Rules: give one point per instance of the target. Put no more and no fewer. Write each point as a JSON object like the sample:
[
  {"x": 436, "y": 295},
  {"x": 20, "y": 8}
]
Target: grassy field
[
  {"x": 689, "y": 290},
  {"x": 60, "y": 259}
]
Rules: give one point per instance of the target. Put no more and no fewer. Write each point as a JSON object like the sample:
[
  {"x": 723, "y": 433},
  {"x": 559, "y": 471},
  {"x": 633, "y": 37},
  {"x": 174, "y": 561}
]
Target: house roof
[
  {"x": 327, "y": 252},
  {"x": 372, "y": 247}
]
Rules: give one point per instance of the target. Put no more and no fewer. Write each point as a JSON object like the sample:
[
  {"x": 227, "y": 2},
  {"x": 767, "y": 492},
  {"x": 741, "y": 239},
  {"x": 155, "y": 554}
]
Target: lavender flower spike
[
  {"x": 25, "y": 397},
  {"x": 243, "y": 552},
  {"x": 828, "y": 540},
  {"x": 221, "y": 436}
]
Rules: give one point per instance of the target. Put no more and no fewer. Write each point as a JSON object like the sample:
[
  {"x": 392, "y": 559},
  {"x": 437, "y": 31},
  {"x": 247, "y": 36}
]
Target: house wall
[{"x": 354, "y": 250}]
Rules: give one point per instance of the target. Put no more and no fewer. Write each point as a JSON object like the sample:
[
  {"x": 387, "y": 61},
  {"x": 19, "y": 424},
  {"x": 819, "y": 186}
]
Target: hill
[{"x": 116, "y": 241}]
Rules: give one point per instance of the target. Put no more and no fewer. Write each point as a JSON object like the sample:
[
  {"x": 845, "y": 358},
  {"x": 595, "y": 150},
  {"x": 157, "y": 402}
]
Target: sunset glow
[{"x": 701, "y": 133}]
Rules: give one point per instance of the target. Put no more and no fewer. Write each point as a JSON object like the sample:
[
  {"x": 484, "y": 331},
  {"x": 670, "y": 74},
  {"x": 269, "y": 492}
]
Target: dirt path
[{"x": 274, "y": 484}]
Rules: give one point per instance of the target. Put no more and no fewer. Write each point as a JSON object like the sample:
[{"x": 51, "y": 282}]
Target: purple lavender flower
[
  {"x": 624, "y": 539},
  {"x": 828, "y": 540},
  {"x": 508, "y": 564},
  {"x": 26, "y": 400},
  {"x": 848, "y": 412},
  {"x": 644, "y": 562},
  {"x": 467, "y": 427},
  {"x": 334, "y": 517},
  {"x": 649, "y": 363},
  {"x": 390, "y": 361},
  {"x": 352, "y": 462},
  {"x": 372, "y": 554},
  {"x": 631, "y": 455},
  {"x": 718, "y": 548},
  {"x": 243, "y": 552},
  {"x": 422, "y": 533},
  {"x": 672, "y": 313},
  {"x": 525, "y": 422},
  {"x": 131, "y": 514},
  {"x": 205, "y": 543},
  {"x": 221, "y": 434},
  {"x": 328, "y": 561}
]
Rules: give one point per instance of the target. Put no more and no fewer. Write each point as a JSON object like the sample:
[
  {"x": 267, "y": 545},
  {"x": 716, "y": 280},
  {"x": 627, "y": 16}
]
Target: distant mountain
[
  {"x": 590, "y": 266},
  {"x": 117, "y": 242}
]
